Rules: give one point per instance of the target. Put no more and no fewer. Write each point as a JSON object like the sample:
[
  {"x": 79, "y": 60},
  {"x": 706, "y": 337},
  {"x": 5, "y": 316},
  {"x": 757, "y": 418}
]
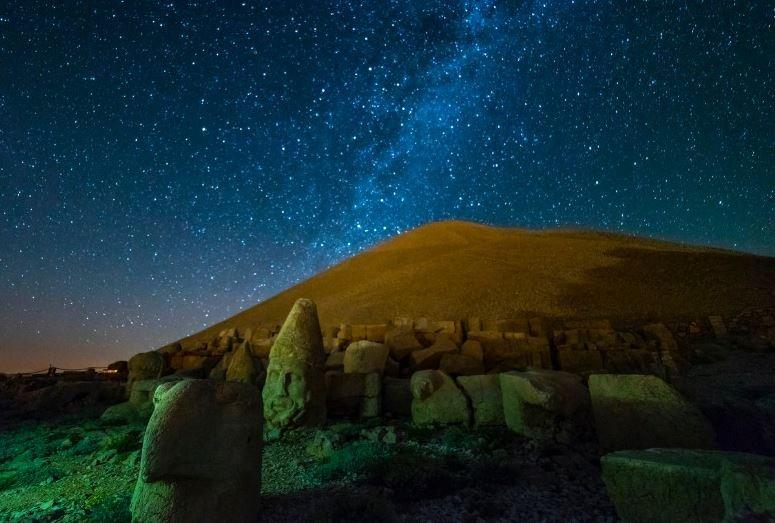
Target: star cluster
[{"x": 166, "y": 164}]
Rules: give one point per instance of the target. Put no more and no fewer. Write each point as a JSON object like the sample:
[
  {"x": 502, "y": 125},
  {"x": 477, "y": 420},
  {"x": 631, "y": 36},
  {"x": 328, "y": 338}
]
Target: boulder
[
  {"x": 363, "y": 357},
  {"x": 640, "y": 411},
  {"x": 431, "y": 357},
  {"x": 687, "y": 485},
  {"x": 484, "y": 394},
  {"x": 397, "y": 397},
  {"x": 144, "y": 366},
  {"x": 459, "y": 365},
  {"x": 201, "y": 456},
  {"x": 242, "y": 367},
  {"x": 545, "y": 404},
  {"x": 437, "y": 399},
  {"x": 295, "y": 390},
  {"x": 401, "y": 341}
]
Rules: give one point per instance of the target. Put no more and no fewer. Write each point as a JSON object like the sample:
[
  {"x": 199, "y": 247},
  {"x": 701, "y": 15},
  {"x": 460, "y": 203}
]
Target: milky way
[{"x": 163, "y": 167}]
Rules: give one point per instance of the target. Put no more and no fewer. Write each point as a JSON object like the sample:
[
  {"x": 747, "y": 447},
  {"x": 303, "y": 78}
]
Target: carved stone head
[
  {"x": 201, "y": 457},
  {"x": 294, "y": 392}
]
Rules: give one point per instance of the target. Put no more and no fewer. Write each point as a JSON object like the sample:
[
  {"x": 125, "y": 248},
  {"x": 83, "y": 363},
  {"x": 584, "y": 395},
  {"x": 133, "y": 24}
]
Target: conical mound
[{"x": 455, "y": 270}]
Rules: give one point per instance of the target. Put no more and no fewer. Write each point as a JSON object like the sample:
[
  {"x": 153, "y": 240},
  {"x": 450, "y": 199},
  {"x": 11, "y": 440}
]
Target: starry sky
[{"x": 165, "y": 164}]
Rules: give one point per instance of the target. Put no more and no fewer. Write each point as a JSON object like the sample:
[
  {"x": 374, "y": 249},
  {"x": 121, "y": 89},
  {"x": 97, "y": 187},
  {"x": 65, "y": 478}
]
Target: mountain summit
[{"x": 455, "y": 269}]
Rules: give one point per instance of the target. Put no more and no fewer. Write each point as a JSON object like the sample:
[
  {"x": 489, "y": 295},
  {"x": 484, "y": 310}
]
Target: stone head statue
[
  {"x": 201, "y": 457},
  {"x": 425, "y": 383},
  {"x": 295, "y": 390}
]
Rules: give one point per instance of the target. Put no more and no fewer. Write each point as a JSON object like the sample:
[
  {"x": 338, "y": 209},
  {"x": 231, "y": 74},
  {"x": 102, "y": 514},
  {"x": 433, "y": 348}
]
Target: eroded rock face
[
  {"x": 295, "y": 389},
  {"x": 201, "y": 457}
]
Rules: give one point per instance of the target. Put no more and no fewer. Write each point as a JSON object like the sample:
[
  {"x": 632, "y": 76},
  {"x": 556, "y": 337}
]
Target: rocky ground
[{"x": 76, "y": 469}]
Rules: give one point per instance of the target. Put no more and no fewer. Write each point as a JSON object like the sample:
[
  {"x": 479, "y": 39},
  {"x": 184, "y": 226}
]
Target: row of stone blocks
[
  {"x": 221, "y": 424},
  {"x": 577, "y": 350}
]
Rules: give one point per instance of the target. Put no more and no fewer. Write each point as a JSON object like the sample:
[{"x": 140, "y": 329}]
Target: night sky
[{"x": 163, "y": 166}]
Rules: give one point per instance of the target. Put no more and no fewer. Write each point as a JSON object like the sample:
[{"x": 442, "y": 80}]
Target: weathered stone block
[
  {"x": 641, "y": 411},
  {"x": 545, "y": 404},
  {"x": 397, "y": 396},
  {"x": 401, "y": 342},
  {"x": 484, "y": 392},
  {"x": 429, "y": 358},
  {"x": 364, "y": 357},
  {"x": 658, "y": 485},
  {"x": 437, "y": 399},
  {"x": 345, "y": 393},
  {"x": 748, "y": 488}
]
